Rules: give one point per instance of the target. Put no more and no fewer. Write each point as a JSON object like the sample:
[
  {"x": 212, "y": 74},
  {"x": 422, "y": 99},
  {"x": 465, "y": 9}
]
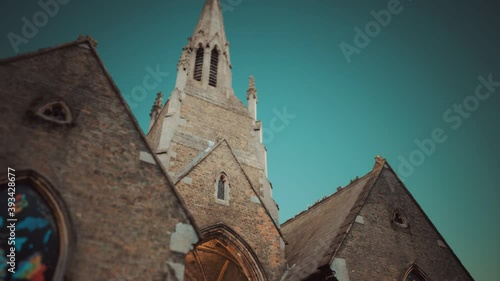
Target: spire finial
[
  {"x": 210, "y": 25},
  {"x": 252, "y": 90},
  {"x": 157, "y": 105},
  {"x": 251, "y": 82},
  {"x": 92, "y": 41},
  {"x": 379, "y": 162}
]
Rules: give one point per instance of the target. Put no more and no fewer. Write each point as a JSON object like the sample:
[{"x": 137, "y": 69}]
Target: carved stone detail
[{"x": 185, "y": 59}]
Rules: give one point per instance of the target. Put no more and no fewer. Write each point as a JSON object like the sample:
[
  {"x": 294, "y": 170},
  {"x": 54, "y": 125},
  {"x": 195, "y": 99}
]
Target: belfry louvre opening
[
  {"x": 198, "y": 65},
  {"x": 214, "y": 62}
]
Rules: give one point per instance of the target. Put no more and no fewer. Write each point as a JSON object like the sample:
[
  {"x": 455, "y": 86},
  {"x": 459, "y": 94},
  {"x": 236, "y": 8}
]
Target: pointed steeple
[
  {"x": 203, "y": 97},
  {"x": 210, "y": 26},
  {"x": 205, "y": 60}
]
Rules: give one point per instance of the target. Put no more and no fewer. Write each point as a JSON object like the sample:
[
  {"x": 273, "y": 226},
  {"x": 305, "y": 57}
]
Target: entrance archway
[{"x": 222, "y": 256}]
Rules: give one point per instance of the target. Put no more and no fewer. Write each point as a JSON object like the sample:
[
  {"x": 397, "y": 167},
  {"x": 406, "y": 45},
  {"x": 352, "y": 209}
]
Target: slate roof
[{"x": 315, "y": 235}]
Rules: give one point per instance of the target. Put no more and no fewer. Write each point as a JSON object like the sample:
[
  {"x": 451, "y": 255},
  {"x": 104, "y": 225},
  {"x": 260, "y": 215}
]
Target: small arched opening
[
  {"x": 414, "y": 274},
  {"x": 222, "y": 189}
]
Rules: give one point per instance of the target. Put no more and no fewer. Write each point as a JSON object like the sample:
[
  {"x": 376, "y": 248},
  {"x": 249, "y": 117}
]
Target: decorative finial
[
  {"x": 252, "y": 90},
  {"x": 157, "y": 105},
  {"x": 354, "y": 180},
  {"x": 184, "y": 61},
  {"x": 379, "y": 159},
  {"x": 379, "y": 162},
  {"x": 159, "y": 99},
  {"x": 92, "y": 41},
  {"x": 251, "y": 82}
]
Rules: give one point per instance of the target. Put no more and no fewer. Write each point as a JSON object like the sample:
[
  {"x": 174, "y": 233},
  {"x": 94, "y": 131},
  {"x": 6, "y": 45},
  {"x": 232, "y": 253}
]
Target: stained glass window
[{"x": 36, "y": 241}]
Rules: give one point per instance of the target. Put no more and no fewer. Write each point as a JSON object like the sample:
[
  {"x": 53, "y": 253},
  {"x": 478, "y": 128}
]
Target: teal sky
[{"x": 393, "y": 92}]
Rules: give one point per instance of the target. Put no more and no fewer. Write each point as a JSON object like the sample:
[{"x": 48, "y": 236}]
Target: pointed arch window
[
  {"x": 214, "y": 64},
  {"x": 222, "y": 189},
  {"x": 198, "y": 64},
  {"x": 414, "y": 274}
]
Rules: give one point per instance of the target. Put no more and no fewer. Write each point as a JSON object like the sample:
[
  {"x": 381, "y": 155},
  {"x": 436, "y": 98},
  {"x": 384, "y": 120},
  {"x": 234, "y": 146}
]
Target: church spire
[
  {"x": 210, "y": 26},
  {"x": 205, "y": 60}
]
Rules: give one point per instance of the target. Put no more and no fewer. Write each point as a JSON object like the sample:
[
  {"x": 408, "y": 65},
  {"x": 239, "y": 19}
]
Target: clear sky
[{"x": 399, "y": 87}]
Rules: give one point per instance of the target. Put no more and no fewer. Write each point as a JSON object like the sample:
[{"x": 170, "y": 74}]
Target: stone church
[{"x": 90, "y": 197}]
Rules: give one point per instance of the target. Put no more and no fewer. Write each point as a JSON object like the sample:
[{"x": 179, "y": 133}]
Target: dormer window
[
  {"x": 198, "y": 64},
  {"x": 214, "y": 64}
]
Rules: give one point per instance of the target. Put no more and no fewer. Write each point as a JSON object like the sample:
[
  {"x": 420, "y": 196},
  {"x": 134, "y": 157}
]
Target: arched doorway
[{"x": 222, "y": 256}]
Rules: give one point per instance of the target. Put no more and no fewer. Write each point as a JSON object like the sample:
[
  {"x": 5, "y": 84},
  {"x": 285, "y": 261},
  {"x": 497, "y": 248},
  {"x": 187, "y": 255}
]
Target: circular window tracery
[{"x": 41, "y": 234}]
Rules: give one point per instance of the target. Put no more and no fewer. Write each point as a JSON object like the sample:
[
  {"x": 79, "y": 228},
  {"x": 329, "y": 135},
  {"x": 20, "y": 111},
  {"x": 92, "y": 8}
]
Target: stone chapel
[{"x": 97, "y": 199}]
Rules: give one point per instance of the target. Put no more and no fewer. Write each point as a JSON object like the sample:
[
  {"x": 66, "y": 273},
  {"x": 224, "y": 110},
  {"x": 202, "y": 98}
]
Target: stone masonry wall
[
  {"x": 210, "y": 116},
  {"x": 244, "y": 213},
  {"x": 124, "y": 213},
  {"x": 378, "y": 249}
]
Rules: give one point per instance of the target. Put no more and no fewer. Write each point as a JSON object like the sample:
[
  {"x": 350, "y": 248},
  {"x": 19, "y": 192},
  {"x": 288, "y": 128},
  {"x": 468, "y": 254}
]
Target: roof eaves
[{"x": 324, "y": 199}]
